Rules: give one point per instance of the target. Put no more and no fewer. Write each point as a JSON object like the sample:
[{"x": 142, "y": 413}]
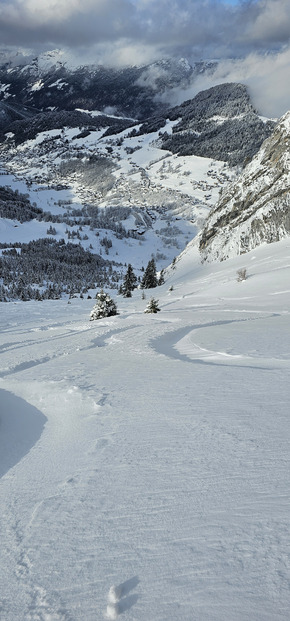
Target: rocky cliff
[{"x": 256, "y": 208}]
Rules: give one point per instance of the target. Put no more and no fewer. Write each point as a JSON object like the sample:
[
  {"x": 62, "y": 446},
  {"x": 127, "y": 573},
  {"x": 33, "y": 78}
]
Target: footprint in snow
[{"x": 114, "y": 596}]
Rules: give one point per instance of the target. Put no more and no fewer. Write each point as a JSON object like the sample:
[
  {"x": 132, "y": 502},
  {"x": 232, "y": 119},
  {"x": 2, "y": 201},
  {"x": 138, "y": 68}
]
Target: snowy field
[{"x": 150, "y": 452}]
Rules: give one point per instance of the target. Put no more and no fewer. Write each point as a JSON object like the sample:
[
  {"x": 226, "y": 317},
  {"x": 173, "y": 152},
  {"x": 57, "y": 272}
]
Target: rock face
[{"x": 256, "y": 208}]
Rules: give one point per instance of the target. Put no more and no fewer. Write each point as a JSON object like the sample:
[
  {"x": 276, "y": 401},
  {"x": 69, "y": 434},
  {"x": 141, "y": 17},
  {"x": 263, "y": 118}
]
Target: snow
[
  {"x": 37, "y": 86},
  {"x": 148, "y": 169},
  {"x": 150, "y": 452}
]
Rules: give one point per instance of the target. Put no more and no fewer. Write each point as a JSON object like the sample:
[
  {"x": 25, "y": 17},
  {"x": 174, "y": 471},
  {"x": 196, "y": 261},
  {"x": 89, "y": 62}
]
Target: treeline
[
  {"x": 28, "y": 128},
  {"x": 47, "y": 268},
  {"x": 17, "y": 206},
  {"x": 234, "y": 140}
]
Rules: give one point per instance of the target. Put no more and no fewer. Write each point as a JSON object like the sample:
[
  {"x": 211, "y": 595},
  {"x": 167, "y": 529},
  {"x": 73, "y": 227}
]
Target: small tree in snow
[
  {"x": 149, "y": 280},
  {"x": 104, "y": 307},
  {"x": 161, "y": 279},
  {"x": 152, "y": 306},
  {"x": 242, "y": 274},
  {"x": 129, "y": 282}
]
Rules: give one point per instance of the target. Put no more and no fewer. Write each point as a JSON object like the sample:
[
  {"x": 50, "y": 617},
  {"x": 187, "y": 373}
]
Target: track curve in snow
[{"x": 179, "y": 345}]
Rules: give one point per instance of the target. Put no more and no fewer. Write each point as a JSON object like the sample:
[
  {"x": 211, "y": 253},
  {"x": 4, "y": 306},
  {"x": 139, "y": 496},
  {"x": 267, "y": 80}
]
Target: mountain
[
  {"x": 122, "y": 190},
  {"x": 213, "y": 124},
  {"x": 219, "y": 122},
  {"x": 144, "y": 458},
  {"x": 49, "y": 82},
  {"x": 255, "y": 208}
]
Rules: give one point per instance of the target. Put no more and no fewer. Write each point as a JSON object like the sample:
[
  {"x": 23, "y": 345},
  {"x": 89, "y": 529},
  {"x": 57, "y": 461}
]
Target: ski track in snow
[
  {"x": 155, "y": 459},
  {"x": 170, "y": 345}
]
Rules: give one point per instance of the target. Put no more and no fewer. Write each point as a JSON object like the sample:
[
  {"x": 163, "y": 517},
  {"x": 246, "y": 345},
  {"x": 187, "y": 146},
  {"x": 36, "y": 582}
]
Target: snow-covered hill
[
  {"x": 139, "y": 202},
  {"x": 150, "y": 452},
  {"x": 256, "y": 207}
]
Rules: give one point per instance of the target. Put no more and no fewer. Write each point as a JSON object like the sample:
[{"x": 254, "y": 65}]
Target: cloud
[
  {"x": 201, "y": 27},
  {"x": 271, "y": 24},
  {"x": 64, "y": 22},
  {"x": 255, "y": 33},
  {"x": 265, "y": 75},
  {"x": 267, "y": 78}
]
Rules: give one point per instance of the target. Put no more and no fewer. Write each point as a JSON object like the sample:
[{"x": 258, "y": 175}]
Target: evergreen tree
[
  {"x": 152, "y": 306},
  {"x": 161, "y": 280},
  {"x": 129, "y": 283},
  {"x": 149, "y": 280},
  {"x": 104, "y": 307}
]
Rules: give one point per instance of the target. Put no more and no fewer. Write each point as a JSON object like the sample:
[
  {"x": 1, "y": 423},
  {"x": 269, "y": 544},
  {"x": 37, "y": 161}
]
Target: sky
[
  {"x": 250, "y": 36},
  {"x": 200, "y": 27}
]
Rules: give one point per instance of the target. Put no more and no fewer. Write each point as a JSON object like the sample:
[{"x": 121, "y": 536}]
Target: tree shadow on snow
[
  {"x": 127, "y": 603},
  {"x": 21, "y": 426},
  {"x": 129, "y": 585}
]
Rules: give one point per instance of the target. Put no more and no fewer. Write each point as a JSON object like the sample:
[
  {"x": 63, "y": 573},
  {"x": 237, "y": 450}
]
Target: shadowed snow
[{"x": 21, "y": 426}]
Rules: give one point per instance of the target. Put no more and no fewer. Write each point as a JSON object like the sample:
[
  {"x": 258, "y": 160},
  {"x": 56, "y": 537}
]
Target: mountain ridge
[
  {"x": 255, "y": 208},
  {"x": 130, "y": 91}
]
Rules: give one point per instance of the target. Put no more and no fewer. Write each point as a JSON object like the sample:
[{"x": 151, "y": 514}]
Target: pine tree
[
  {"x": 104, "y": 307},
  {"x": 161, "y": 279},
  {"x": 129, "y": 282},
  {"x": 152, "y": 306},
  {"x": 149, "y": 280}
]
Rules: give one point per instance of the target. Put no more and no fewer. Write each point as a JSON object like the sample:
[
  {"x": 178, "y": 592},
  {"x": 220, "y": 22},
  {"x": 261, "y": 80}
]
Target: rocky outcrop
[{"x": 256, "y": 208}]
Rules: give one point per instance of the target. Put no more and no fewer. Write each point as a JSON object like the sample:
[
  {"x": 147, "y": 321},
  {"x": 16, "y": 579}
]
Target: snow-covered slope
[
  {"x": 255, "y": 208},
  {"x": 219, "y": 122},
  {"x": 150, "y": 452}
]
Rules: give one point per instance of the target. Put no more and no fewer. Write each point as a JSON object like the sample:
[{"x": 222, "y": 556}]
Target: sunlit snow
[{"x": 145, "y": 458}]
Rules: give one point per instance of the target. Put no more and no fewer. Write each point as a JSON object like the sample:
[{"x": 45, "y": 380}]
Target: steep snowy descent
[{"x": 158, "y": 487}]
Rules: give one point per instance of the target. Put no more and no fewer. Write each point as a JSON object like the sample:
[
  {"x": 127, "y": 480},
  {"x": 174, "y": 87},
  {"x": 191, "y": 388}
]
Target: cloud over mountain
[
  {"x": 265, "y": 74},
  {"x": 251, "y": 37}
]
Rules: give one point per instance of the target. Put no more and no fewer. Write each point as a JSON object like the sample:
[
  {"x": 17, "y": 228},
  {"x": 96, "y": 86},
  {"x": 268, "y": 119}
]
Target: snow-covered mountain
[
  {"x": 53, "y": 81},
  {"x": 136, "y": 188},
  {"x": 256, "y": 207},
  {"x": 129, "y": 189}
]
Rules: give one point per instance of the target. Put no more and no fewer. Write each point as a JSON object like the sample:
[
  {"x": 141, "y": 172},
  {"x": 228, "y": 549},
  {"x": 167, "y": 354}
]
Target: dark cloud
[
  {"x": 66, "y": 22},
  {"x": 206, "y": 27}
]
